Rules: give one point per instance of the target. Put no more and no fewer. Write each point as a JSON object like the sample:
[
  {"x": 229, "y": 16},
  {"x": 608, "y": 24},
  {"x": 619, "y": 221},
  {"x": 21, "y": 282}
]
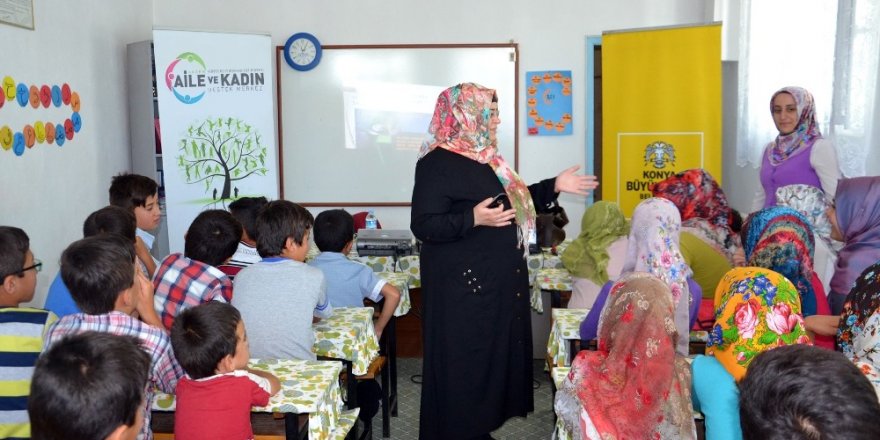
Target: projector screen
[{"x": 350, "y": 129}]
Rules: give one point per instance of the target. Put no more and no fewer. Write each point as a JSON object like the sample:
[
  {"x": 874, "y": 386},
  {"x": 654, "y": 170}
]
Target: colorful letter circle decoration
[{"x": 39, "y": 132}]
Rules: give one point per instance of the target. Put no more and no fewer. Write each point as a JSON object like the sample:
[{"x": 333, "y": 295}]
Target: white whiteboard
[{"x": 350, "y": 129}]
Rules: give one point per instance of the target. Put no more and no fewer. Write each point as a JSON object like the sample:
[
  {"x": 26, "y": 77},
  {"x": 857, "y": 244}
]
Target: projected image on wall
[{"x": 387, "y": 116}]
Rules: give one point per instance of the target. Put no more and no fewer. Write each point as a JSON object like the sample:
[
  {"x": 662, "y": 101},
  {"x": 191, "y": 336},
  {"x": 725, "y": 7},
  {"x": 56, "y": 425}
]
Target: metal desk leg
[{"x": 351, "y": 397}]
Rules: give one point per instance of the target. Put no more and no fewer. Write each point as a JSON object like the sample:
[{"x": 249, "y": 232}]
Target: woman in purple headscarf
[
  {"x": 855, "y": 220},
  {"x": 799, "y": 154}
]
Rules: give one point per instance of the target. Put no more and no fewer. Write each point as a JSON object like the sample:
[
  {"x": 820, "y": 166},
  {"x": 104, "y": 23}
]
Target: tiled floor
[{"x": 538, "y": 425}]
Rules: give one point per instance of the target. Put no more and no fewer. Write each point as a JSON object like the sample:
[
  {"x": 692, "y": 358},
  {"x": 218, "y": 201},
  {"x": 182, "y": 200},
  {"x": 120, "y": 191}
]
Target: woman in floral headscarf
[
  {"x": 756, "y": 310},
  {"x": 597, "y": 254},
  {"x": 812, "y": 203},
  {"x": 652, "y": 248},
  {"x": 477, "y": 369},
  {"x": 859, "y": 332},
  {"x": 799, "y": 154},
  {"x": 855, "y": 220},
  {"x": 709, "y": 245},
  {"x": 635, "y": 386}
]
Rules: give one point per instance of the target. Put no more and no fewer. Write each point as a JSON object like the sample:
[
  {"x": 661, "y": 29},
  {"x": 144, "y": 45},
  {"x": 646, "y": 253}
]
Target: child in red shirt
[{"x": 214, "y": 400}]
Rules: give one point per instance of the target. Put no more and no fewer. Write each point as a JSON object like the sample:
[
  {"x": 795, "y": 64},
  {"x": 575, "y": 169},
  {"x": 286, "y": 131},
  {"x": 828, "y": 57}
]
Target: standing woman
[
  {"x": 477, "y": 369},
  {"x": 597, "y": 254},
  {"x": 799, "y": 154},
  {"x": 855, "y": 220}
]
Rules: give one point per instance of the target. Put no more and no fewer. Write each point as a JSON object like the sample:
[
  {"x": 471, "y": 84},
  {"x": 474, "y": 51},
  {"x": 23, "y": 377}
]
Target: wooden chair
[{"x": 376, "y": 367}]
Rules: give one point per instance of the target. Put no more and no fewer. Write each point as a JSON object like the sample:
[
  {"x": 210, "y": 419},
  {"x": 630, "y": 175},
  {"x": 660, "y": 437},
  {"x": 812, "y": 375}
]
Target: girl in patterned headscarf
[
  {"x": 859, "y": 333},
  {"x": 652, "y": 247},
  {"x": 474, "y": 277},
  {"x": 855, "y": 220},
  {"x": 597, "y": 254},
  {"x": 781, "y": 239},
  {"x": 756, "y": 309},
  {"x": 812, "y": 203},
  {"x": 799, "y": 154},
  {"x": 634, "y": 386}
]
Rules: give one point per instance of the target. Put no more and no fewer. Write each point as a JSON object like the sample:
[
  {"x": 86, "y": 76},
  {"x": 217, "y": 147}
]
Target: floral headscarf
[
  {"x": 653, "y": 245},
  {"x": 703, "y": 207},
  {"x": 857, "y": 205},
  {"x": 780, "y": 239},
  {"x": 858, "y": 334},
  {"x": 807, "y": 130},
  {"x": 812, "y": 203},
  {"x": 587, "y": 256},
  {"x": 756, "y": 310},
  {"x": 461, "y": 125},
  {"x": 635, "y": 386}
]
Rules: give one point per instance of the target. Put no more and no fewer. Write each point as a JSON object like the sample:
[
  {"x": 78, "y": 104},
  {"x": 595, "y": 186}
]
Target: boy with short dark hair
[
  {"x": 90, "y": 386},
  {"x": 107, "y": 220},
  {"x": 140, "y": 195},
  {"x": 807, "y": 392},
  {"x": 349, "y": 282},
  {"x": 190, "y": 279},
  {"x": 281, "y": 292},
  {"x": 214, "y": 400},
  {"x": 22, "y": 329},
  {"x": 103, "y": 279},
  {"x": 245, "y": 211}
]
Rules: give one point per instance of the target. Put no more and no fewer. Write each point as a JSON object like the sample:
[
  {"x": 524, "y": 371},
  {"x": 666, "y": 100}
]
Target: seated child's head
[
  {"x": 111, "y": 220},
  {"x": 283, "y": 229},
  {"x": 245, "y": 211},
  {"x": 212, "y": 237},
  {"x": 334, "y": 229},
  {"x": 99, "y": 272},
  {"x": 89, "y": 386},
  {"x": 140, "y": 194},
  {"x": 210, "y": 339},
  {"x": 18, "y": 267},
  {"x": 806, "y": 392}
]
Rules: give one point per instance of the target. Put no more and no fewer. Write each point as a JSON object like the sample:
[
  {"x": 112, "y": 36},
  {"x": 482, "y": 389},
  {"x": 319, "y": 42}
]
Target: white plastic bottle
[{"x": 371, "y": 221}]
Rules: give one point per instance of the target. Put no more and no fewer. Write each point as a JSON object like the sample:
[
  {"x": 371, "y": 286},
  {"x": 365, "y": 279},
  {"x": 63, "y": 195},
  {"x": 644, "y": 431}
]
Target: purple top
[
  {"x": 590, "y": 325},
  {"x": 858, "y": 217},
  {"x": 797, "y": 169}
]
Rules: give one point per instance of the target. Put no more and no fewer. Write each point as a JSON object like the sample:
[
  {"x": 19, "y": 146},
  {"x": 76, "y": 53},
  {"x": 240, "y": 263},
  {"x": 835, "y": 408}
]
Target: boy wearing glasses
[{"x": 22, "y": 330}]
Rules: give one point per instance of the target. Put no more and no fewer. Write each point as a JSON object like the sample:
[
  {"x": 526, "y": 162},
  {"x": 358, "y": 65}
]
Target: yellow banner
[{"x": 661, "y": 108}]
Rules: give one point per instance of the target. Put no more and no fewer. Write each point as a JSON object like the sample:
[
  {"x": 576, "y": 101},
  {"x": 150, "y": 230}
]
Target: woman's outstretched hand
[
  {"x": 569, "y": 182},
  {"x": 494, "y": 217}
]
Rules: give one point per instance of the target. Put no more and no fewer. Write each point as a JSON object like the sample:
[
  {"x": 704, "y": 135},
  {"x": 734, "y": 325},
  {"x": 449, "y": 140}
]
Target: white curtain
[{"x": 831, "y": 49}]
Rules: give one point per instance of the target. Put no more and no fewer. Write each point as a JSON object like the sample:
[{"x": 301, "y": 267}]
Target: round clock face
[{"x": 302, "y": 51}]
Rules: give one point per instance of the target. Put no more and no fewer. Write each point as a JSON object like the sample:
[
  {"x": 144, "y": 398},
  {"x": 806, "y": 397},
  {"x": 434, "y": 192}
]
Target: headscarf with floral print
[
  {"x": 703, "y": 207},
  {"x": 781, "y": 239},
  {"x": 756, "y": 310},
  {"x": 812, "y": 203},
  {"x": 858, "y": 334},
  {"x": 461, "y": 125},
  {"x": 587, "y": 256},
  {"x": 634, "y": 385},
  {"x": 806, "y": 132},
  {"x": 653, "y": 245}
]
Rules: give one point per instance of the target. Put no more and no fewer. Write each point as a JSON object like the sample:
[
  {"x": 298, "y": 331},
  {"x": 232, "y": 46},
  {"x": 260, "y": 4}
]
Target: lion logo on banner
[{"x": 660, "y": 153}]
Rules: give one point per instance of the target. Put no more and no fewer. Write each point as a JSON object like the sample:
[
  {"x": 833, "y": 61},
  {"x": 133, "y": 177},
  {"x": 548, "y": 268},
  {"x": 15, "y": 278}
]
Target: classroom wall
[
  {"x": 49, "y": 191},
  {"x": 549, "y": 37}
]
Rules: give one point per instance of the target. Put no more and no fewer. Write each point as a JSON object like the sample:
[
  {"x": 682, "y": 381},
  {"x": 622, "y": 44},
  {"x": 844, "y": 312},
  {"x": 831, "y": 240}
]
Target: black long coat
[{"x": 477, "y": 369}]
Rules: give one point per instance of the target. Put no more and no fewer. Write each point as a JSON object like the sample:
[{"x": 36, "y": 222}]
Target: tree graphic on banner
[{"x": 220, "y": 151}]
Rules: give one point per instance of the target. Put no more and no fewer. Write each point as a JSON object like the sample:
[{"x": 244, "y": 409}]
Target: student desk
[
  {"x": 564, "y": 332},
  {"x": 402, "y": 281},
  {"x": 307, "y": 387},
  {"x": 555, "y": 279},
  {"x": 348, "y": 336}
]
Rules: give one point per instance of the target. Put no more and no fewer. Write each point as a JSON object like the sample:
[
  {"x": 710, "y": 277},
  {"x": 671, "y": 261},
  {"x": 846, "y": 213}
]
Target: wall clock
[{"x": 302, "y": 51}]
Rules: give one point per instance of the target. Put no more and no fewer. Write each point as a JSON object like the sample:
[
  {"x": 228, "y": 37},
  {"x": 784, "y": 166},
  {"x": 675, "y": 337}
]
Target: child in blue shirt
[{"x": 349, "y": 282}]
